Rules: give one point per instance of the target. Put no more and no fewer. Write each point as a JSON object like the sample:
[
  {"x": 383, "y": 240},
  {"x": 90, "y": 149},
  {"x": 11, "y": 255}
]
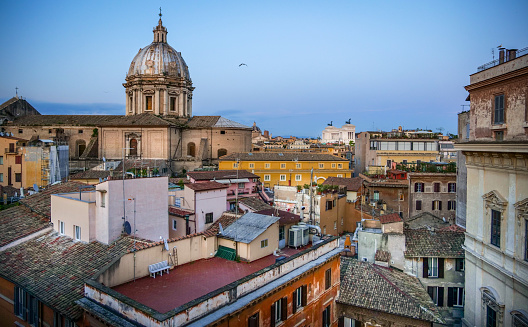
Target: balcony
[{"x": 11, "y": 150}]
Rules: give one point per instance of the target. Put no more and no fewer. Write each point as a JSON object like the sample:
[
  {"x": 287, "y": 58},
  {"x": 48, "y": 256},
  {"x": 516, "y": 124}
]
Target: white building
[{"x": 343, "y": 135}]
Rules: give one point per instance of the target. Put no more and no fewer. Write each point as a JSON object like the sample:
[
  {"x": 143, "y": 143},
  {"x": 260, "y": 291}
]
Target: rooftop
[
  {"x": 248, "y": 227},
  {"x": 286, "y": 217},
  {"x": 445, "y": 243},
  {"x": 390, "y": 218},
  {"x": 181, "y": 286},
  {"x": 286, "y": 156},
  {"x": 255, "y": 203},
  {"x": 205, "y": 186},
  {"x": 352, "y": 184},
  {"x": 373, "y": 287},
  {"x": 220, "y": 174}
]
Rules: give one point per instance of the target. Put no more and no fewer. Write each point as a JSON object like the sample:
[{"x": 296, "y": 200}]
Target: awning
[{"x": 240, "y": 180}]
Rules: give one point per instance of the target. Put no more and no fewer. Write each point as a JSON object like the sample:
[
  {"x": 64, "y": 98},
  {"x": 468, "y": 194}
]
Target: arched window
[
  {"x": 493, "y": 309},
  {"x": 81, "y": 146},
  {"x": 133, "y": 147},
  {"x": 222, "y": 152},
  {"x": 191, "y": 149}
]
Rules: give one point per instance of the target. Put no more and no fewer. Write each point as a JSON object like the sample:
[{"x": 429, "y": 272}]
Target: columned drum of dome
[{"x": 158, "y": 80}]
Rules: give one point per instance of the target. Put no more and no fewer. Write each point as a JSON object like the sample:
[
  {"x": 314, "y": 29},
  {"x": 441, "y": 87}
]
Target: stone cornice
[
  {"x": 499, "y": 160},
  {"x": 497, "y": 79},
  {"x": 493, "y": 147}
]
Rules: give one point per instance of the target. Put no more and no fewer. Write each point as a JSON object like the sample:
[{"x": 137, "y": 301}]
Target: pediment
[
  {"x": 521, "y": 208},
  {"x": 495, "y": 201}
]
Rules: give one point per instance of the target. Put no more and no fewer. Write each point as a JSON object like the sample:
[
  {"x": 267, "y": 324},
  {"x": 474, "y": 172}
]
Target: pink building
[{"x": 240, "y": 183}]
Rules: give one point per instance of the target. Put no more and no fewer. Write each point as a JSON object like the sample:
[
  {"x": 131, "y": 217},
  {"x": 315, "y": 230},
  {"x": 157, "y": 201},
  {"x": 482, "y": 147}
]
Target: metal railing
[{"x": 495, "y": 62}]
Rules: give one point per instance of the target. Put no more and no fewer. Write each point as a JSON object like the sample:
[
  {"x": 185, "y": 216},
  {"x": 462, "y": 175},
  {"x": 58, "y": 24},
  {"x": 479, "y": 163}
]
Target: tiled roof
[
  {"x": 41, "y": 202},
  {"x": 220, "y": 174},
  {"x": 179, "y": 211},
  {"x": 18, "y": 222},
  {"x": 286, "y": 217},
  {"x": 369, "y": 286},
  {"x": 9, "y": 190},
  {"x": 425, "y": 219},
  {"x": 255, "y": 203},
  {"x": 390, "y": 218},
  {"x": 352, "y": 184},
  {"x": 144, "y": 119},
  {"x": 226, "y": 220},
  {"x": 286, "y": 156},
  {"x": 53, "y": 268},
  {"x": 205, "y": 186},
  {"x": 453, "y": 228},
  {"x": 440, "y": 243},
  {"x": 91, "y": 174},
  {"x": 202, "y": 121}
]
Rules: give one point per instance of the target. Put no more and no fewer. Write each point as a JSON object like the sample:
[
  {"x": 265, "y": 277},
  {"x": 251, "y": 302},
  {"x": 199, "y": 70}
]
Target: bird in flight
[{"x": 242, "y": 64}]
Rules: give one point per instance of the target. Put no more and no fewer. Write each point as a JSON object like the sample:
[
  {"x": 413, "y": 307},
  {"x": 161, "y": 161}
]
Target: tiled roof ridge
[{"x": 375, "y": 266}]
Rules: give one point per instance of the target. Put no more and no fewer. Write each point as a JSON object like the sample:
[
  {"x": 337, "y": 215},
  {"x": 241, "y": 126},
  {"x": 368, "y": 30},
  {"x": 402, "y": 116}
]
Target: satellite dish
[
  {"x": 104, "y": 159},
  {"x": 166, "y": 245},
  {"x": 128, "y": 228},
  {"x": 100, "y": 180},
  {"x": 35, "y": 187},
  {"x": 220, "y": 229}
]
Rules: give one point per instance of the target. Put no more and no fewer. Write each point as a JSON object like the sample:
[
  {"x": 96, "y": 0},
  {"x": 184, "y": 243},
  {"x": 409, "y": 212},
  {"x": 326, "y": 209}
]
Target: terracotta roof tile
[
  {"x": 205, "y": 186},
  {"x": 443, "y": 243},
  {"x": 369, "y": 286},
  {"x": 255, "y": 203},
  {"x": 286, "y": 156},
  {"x": 390, "y": 218},
  {"x": 226, "y": 219},
  {"x": 220, "y": 174},
  {"x": 179, "y": 211},
  {"x": 352, "y": 184},
  {"x": 286, "y": 217},
  {"x": 144, "y": 119}
]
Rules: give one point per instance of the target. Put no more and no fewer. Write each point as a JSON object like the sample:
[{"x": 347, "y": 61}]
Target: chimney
[
  {"x": 512, "y": 54},
  {"x": 501, "y": 55}
]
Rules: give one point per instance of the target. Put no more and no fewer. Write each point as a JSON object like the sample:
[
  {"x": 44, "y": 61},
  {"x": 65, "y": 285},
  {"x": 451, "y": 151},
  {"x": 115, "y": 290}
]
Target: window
[
  {"x": 455, "y": 296},
  {"x": 451, "y": 187},
  {"x": 267, "y": 178},
  {"x": 191, "y": 149},
  {"x": 283, "y": 165},
  {"x": 50, "y": 131},
  {"x": 222, "y": 132},
  {"x": 1, "y": 160},
  {"x": 437, "y": 205},
  {"x": 389, "y": 163},
  {"x": 77, "y": 232},
  {"x": 401, "y": 196},
  {"x": 495, "y": 227},
  {"x": 177, "y": 202},
  {"x": 26, "y": 307},
  {"x": 499, "y": 109},
  {"x": 339, "y": 175},
  {"x": 254, "y": 320},
  {"x": 174, "y": 224},
  {"x": 326, "y": 317},
  {"x": 339, "y": 166},
  {"x": 281, "y": 233},
  {"x": 436, "y": 187},
  {"x": 20, "y": 131},
  {"x": 451, "y": 205},
  {"x": 433, "y": 268},
  {"x": 18, "y": 160},
  {"x": 519, "y": 319},
  {"x": 437, "y": 295},
  {"x": 299, "y": 297},
  {"x": 264, "y": 243},
  {"x": 321, "y": 166},
  {"x": 459, "y": 264},
  {"x": 61, "y": 227},
  {"x": 251, "y": 165},
  {"x": 279, "y": 311},
  {"x": 329, "y": 205},
  {"x": 221, "y": 152},
  {"x": 80, "y": 131},
  {"x": 335, "y": 225},
  {"x": 298, "y": 177},
  {"x": 241, "y": 185},
  {"x": 328, "y": 278},
  {"x": 491, "y": 317},
  {"x": 266, "y": 165},
  {"x": 298, "y": 166},
  {"x": 418, "y": 205},
  {"x": 235, "y": 165},
  {"x": 148, "y": 102},
  {"x": 499, "y": 135},
  {"x": 283, "y": 177},
  {"x": 18, "y": 177},
  {"x": 208, "y": 217},
  {"x": 172, "y": 104},
  {"x": 333, "y": 165},
  {"x": 376, "y": 196},
  {"x": 418, "y": 187}
]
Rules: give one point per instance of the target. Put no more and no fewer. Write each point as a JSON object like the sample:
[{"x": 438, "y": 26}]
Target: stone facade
[{"x": 434, "y": 193}]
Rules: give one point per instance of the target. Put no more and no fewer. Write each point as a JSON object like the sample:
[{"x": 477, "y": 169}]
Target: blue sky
[{"x": 380, "y": 63}]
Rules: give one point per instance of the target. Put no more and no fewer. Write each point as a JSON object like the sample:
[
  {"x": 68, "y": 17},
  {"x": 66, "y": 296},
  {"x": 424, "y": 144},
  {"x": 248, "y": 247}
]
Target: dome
[
  {"x": 256, "y": 128},
  {"x": 159, "y": 58}
]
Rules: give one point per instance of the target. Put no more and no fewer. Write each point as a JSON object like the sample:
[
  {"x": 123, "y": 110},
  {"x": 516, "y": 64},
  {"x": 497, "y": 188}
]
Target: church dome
[{"x": 159, "y": 58}]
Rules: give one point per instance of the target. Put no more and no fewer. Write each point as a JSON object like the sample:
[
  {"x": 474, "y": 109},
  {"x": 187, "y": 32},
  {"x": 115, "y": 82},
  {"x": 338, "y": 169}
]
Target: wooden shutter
[
  {"x": 450, "y": 296},
  {"x": 433, "y": 205},
  {"x": 284, "y": 308},
  {"x": 341, "y": 322},
  {"x": 272, "y": 315},
  {"x": 440, "y": 267},
  {"x": 439, "y": 205},
  {"x": 304, "y": 298},
  {"x": 294, "y": 302},
  {"x": 425, "y": 268},
  {"x": 440, "y": 297},
  {"x": 415, "y": 187},
  {"x": 430, "y": 290},
  {"x": 253, "y": 321},
  {"x": 418, "y": 205}
]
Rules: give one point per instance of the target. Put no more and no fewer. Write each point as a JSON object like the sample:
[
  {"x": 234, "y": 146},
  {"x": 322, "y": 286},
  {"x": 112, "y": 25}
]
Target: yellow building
[
  {"x": 289, "y": 168},
  {"x": 24, "y": 163}
]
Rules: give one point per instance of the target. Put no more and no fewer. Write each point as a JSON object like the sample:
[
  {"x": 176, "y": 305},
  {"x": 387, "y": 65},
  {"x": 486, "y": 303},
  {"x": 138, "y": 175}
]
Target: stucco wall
[
  {"x": 272, "y": 235},
  {"x": 74, "y": 212}
]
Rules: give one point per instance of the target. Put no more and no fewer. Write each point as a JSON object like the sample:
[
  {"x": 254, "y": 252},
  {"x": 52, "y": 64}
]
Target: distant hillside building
[
  {"x": 343, "y": 135},
  {"x": 16, "y": 107}
]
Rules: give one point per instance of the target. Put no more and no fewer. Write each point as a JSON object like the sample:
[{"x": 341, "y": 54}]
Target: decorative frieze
[{"x": 504, "y": 160}]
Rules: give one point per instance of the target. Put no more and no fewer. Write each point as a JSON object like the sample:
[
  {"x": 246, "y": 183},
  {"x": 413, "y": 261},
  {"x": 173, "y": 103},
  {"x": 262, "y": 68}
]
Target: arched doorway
[
  {"x": 133, "y": 147},
  {"x": 81, "y": 146},
  {"x": 222, "y": 152},
  {"x": 191, "y": 149}
]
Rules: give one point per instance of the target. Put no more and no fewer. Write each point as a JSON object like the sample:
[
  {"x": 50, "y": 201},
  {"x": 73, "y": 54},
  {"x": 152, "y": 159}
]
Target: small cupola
[{"x": 160, "y": 32}]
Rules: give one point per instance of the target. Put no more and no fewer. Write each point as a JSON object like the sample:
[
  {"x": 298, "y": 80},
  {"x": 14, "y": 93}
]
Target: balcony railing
[
  {"x": 496, "y": 62},
  {"x": 11, "y": 150}
]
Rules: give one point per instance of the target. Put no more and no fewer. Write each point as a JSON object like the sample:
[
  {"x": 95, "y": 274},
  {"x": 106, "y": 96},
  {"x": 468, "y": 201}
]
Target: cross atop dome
[{"x": 160, "y": 32}]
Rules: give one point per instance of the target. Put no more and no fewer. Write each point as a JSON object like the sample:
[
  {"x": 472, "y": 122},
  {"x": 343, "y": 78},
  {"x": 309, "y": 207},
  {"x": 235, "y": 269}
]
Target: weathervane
[{"x": 160, "y": 13}]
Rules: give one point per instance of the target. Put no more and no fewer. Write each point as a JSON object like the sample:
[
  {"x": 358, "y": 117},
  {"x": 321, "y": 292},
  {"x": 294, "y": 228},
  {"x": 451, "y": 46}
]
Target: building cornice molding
[
  {"x": 497, "y": 79},
  {"x": 493, "y": 147},
  {"x": 503, "y": 160}
]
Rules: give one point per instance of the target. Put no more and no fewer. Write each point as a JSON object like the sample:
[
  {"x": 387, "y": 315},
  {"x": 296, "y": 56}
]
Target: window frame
[
  {"x": 496, "y": 217},
  {"x": 437, "y": 187},
  {"x": 419, "y": 187},
  {"x": 451, "y": 187},
  {"x": 327, "y": 316},
  {"x": 437, "y": 295},
  {"x": 418, "y": 205},
  {"x": 328, "y": 278},
  {"x": 499, "y": 110},
  {"x": 267, "y": 177},
  {"x": 209, "y": 218},
  {"x": 267, "y": 165},
  {"x": 77, "y": 232},
  {"x": 432, "y": 267},
  {"x": 18, "y": 177},
  {"x": 282, "y": 177},
  {"x": 460, "y": 264},
  {"x": 264, "y": 243},
  {"x": 282, "y": 166},
  {"x": 321, "y": 166},
  {"x": 298, "y": 177},
  {"x": 62, "y": 227},
  {"x": 174, "y": 224}
]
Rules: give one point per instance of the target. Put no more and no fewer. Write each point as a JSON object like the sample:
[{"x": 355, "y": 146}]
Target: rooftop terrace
[{"x": 193, "y": 280}]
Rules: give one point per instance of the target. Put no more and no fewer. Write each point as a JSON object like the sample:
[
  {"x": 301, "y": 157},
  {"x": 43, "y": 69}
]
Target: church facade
[{"x": 158, "y": 122}]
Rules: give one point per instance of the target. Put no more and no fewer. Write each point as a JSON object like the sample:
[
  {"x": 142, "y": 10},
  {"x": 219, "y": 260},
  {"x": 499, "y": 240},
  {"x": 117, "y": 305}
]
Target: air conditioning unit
[{"x": 295, "y": 237}]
